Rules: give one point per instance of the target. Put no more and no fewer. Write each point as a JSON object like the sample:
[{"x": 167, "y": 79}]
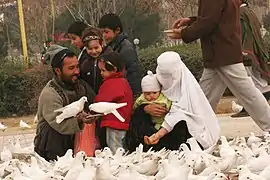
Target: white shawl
[{"x": 189, "y": 102}]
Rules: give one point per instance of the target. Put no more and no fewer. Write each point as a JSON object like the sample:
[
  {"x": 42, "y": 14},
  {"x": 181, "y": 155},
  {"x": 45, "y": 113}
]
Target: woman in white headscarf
[
  {"x": 189, "y": 103},
  {"x": 190, "y": 113}
]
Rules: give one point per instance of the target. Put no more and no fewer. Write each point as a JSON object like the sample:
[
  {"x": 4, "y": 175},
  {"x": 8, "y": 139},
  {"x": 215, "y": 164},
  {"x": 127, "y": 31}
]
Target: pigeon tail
[
  {"x": 59, "y": 119},
  {"x": 116, "y": 113}
]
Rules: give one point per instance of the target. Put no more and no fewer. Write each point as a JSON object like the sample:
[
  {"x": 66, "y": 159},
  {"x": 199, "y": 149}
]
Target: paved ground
[{"x": 232, "y": 127}]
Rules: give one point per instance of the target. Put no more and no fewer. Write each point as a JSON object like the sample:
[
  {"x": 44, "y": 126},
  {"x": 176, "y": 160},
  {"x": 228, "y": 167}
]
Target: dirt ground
[{"x": 13, "y": 125}]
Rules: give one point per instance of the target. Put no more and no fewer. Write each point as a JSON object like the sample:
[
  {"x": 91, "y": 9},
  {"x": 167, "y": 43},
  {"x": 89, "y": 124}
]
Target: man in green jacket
[
  {"x": 255, "y": 54},
  {"x": 53, "y": 139}
]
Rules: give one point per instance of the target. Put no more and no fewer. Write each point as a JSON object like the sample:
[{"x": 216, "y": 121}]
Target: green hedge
[
  {"x": 190, "y": 54},
  {"x": 19, "y": 92}
]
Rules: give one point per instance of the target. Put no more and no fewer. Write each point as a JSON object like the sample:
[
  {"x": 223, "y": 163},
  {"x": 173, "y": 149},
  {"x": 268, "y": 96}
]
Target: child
[
  {"x": 115, "y": 89},
  {"x": 142, "y": 125},
  {"x": 112, "y": 28},
  {"x": 75, "y": 32},
  {"x": 93, "y": 42},
  {"x": 152, "y": 94}
]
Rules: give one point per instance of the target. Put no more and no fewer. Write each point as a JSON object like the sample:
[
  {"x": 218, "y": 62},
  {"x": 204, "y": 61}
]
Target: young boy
[
  {"x": 152, "y": 94},
  {"x": 75, "y": 31},
  {"x": 115, "y": 38}
]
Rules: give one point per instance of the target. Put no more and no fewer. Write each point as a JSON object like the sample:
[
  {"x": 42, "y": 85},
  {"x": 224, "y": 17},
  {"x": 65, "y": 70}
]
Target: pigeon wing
[{"x": 67, "y": 113}]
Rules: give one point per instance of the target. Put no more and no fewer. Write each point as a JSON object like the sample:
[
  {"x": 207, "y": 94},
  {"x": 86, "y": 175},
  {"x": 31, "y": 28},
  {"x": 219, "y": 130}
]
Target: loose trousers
[{"x": 215, "y": 81}]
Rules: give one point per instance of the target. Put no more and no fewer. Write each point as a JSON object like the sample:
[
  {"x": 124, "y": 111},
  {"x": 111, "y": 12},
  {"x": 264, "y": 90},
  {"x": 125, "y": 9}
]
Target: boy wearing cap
[{"x": 151, "y": 93}]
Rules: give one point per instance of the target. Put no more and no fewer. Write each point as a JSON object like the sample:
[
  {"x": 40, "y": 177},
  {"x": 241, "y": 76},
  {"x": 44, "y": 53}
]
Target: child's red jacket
[{"x": 116, "y": 89}]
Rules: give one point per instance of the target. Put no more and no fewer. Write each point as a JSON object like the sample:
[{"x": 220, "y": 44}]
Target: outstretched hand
[
  {"x": 154, "y": 139},
  {"x": 87, "y": 117},
  {"x": 181, "y": 22}
]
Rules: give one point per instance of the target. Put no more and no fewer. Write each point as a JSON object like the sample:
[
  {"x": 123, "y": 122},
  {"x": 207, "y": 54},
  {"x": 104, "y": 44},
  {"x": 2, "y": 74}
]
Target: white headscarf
[{"x": 189, "y": 102}]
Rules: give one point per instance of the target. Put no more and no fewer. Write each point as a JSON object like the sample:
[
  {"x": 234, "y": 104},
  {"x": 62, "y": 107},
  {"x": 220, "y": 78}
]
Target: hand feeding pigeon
[
  {"x": 107, "y": 108},
  {"x": 71, "y": 110}
]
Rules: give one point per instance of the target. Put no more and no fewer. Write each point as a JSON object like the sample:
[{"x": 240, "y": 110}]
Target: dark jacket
[
  {"x": 141, "y": 125},
  {"x": 127, "y": 51},
  {"x": 53, "y": 139},
  {"x": 90, "y": 71},
  {"x": 83, "y": 56},
  {"x": 218, "y": 27},
  {"x": 117, "y": 90}
]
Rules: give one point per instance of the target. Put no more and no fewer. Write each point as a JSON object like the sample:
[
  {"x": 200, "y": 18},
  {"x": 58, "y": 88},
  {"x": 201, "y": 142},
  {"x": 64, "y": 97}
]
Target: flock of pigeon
[
  {"x": 249, "y": 159},
  {"x": 23, "y": 125}
]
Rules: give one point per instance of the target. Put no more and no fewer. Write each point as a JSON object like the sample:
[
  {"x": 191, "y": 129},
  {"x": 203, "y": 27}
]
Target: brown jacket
[{"x": 218, "y": 27}]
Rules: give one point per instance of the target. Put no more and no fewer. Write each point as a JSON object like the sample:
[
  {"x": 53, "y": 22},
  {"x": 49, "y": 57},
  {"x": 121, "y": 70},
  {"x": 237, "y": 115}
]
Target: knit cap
[
  {"x": 54, "y": 53},
  {"x": 150, "y": 83}
]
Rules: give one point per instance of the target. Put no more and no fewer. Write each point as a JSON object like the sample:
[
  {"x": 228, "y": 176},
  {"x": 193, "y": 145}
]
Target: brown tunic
[{"x": 218, "y": 27}]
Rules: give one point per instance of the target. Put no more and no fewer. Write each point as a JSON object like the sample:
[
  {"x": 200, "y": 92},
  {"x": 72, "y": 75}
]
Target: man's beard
[{"x": 68, "y": 80}]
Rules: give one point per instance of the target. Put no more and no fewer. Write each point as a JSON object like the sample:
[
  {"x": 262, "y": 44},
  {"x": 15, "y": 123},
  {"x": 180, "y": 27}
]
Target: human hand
[
  {"x": 154, "y": 139},
  {"x": 81, "y": 117},
  {"x": 156, "y": 110},
  {"x": 181, "y": 22},
  {"x": 90, "y": 118}
]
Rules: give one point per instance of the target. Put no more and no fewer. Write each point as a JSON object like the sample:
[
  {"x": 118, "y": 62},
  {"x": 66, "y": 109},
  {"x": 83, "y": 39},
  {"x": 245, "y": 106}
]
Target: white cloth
[
  {"x": 188, "y": 100},
  {"x": 80, "y": 55},
  {"x": 150, "y": 83}
]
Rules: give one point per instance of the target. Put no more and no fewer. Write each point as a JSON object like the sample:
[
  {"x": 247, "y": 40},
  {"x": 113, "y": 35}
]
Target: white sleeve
[{"x": 167, "y": 126}]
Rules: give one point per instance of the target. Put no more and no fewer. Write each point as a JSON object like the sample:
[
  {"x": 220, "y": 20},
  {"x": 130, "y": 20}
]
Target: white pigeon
[
  {"x": 107, "y": 108},
  {"x": 253, "y": 139},
  {"x": 194, "y": 145},
  {"x": 2, "y": 127},
  {"x": 225, "y": 149},
  {"x": 71, "y": 110},
  {"x": 6, "y": 155},
  {"x": 245, "y": 173},
  {"x": 220, "y": 176},
  {"x": 256, "y": 165},
  {"x": 24, "y": 125},
  {"x": 236, "y": 108},
  {"x": 149, "y": 167},
  {"x": 76, "y": 167},
  {"x": 103, "y": 173},
  {"x": 88, "y": 173},
  {"x": 63, "y": 163}
]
